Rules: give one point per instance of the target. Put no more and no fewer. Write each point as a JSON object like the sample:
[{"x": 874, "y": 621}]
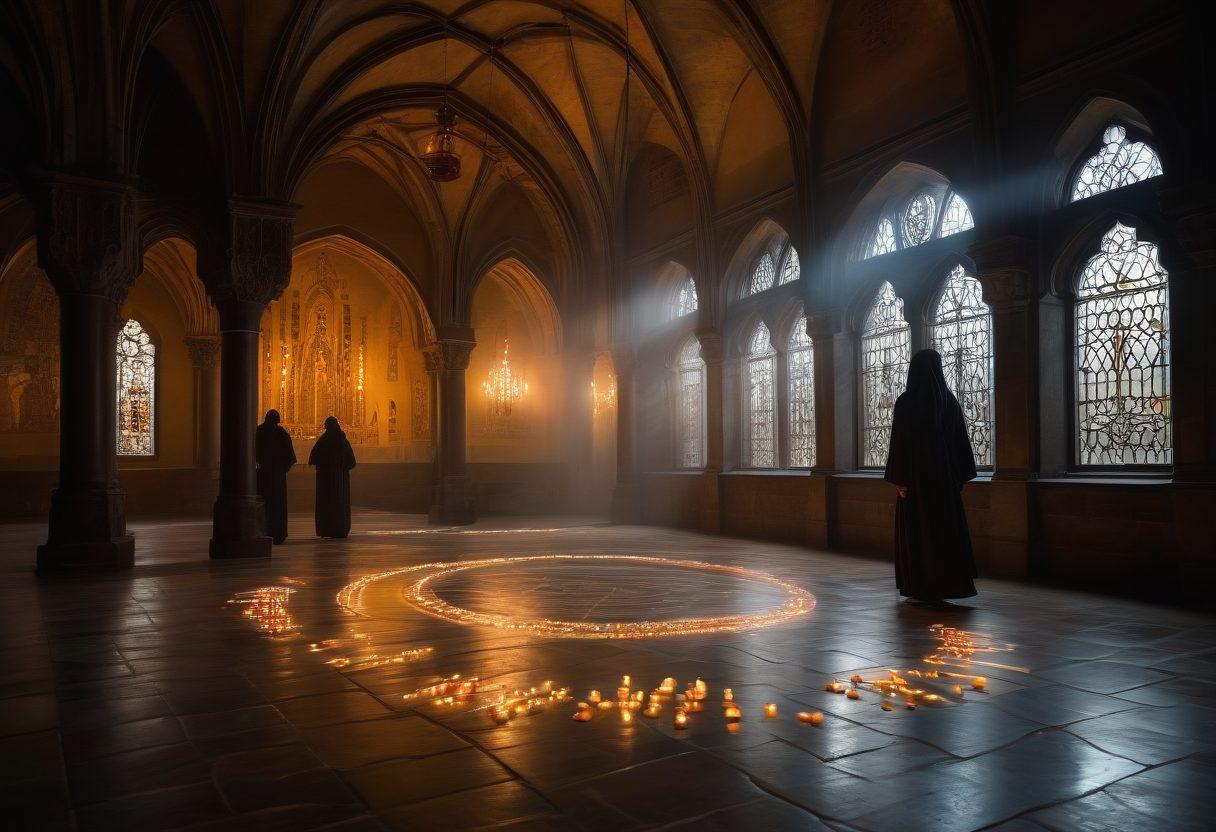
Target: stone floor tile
[
  {"x": 1104, "y": 676},
  {"x": 164, "y": 809},
  {"x": 1131, "y": 734},
  {"x": 766, "y": 813},
  {"x": 28, "y": 714},
  {"x": 1058, "y": 704},
  {"x": 496, "y": 805},
  {"x": 330, "y": 708},
  {"x": 360, "y": 743},
  {"x": 385, "y": 785},
  {"x": 128, "y": 736},
  {"x": 208, "y": 726},
  {"x": 129, "y": 772}
]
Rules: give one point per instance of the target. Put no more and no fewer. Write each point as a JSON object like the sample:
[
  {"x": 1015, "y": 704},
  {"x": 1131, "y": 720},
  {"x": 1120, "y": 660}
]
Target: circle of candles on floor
[
  {"x": 853, "y": 693},
  {"x": 770, "y": 710},
  {"x": 810, "y": 717}
]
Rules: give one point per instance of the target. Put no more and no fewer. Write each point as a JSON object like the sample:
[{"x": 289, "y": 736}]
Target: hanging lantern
[
  {"x": 439, "y": 153},
  {"x": 504, "y": 387}
]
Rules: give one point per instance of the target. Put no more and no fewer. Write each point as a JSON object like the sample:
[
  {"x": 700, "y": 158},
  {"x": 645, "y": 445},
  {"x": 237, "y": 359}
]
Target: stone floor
[{"x": 147, "y": 701}]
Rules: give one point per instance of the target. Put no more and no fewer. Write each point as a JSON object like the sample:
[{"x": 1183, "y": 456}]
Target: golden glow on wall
[{"x": 603, "y": 399}]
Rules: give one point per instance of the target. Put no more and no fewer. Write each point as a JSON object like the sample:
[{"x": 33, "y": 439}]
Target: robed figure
[
  {"x": 275, "y": 456},
  {"x": 333, "y": 458},
  {"x": 929, "y": 461}
]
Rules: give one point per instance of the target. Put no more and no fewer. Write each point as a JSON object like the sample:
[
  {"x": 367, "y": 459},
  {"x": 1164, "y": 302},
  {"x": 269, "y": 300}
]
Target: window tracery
[
  {"x": 136, "y": 400},
  {"x": 801, "y": 358},
  {"x": 686, "y": 298},
  {"x": 885, "y": 352},
  {"x": 791, "y": 268},
  {"x": 690, "y": 406},
  {"x": 956, "y": 217},
  {"x": 761, "y": 400},
  {"x": 1118, "y": 163},
  {"x": 882, "y": 240},
  {"x": 962, "y": 334},
  {"x": 1121, "y": 326},
  {"x": 763, "y": 275},
  {"x": 917, "y": 219}
]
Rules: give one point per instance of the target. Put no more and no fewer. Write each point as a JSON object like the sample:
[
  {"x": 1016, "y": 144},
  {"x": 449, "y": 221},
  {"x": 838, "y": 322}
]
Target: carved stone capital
[
  {"x": 204, "y": 351},
  {"x": 711, "y": 345},
  {"x": 252, "y": 262},
  {"x": 88, "y": 242},
  {"x": 448, "y": 354},
  {"x": 1005, "y": 267}
]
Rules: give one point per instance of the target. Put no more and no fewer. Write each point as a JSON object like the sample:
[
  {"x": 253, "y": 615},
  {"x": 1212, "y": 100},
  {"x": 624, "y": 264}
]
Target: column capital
[
  {"x": 1192, "y": 208},
  {"x": 1005, "y": 267},
  {"x": 251, "y": 262},
  {"x": 711, "y": 345},
  {"x": 204, "y": 350},
  {"x": 824, "y": 323},
  {"x": 449, "y": 353},
  {"x": 87, "y": 241}
]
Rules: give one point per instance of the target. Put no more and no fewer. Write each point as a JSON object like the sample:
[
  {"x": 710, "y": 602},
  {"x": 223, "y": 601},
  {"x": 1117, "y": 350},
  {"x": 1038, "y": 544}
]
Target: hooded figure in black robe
[
  {"x": 930, "y": 460},
  {"x": 275, "y": 456},
  {"x": 333, "y": 458}
]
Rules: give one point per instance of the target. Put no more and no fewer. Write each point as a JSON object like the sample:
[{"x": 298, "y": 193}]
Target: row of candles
[{"x": 266, "y": 606}]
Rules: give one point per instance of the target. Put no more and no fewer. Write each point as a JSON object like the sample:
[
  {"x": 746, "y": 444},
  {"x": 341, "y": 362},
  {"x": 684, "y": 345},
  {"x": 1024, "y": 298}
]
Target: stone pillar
[
  {"x": 715, "y": 433},
  {"x": 88, "y": 246},
  {"x": 452, "y": 503},
  {"x": 834, "y": 353},
  {"x": 626, "y": 497},
  {"x": 1006, "y": 270},
  {"x": 204, "y": 356},
  {"x": 251, "y": 269},
  {"x": 1193, "y": 377}
]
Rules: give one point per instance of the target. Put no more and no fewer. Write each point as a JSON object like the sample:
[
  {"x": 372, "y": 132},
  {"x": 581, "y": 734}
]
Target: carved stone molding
[
  {"x": 1005, "y": 268},
  {"x": 448, "y": 354},
  {"x": 204, "y": 351},
  {"x": 88, "y": 242},
  {"x": 253, "y": 262},
  {"x": 711, "y": 345}
]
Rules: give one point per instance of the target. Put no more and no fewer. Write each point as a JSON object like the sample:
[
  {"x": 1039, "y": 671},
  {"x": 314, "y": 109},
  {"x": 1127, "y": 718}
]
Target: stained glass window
[
  {"x": 686, "y": 298},
  {"x": 760, "y": 400},
  {"x": 791, "y": 269},
  {"x": 1121, "y": 321},
  {"x": 136, "y": 404},
  {"x": 882, "y": 241},
  {"x": 690, "y": 406},
  {"x": 1117, "y": 163},
  {"x": 962, "y": 333},
  {"x": 801, "y": 357},
  {"x": 917, "y": 220},
  {"x": 763, "y": 275},
  {"x": 885, "y": 352},
  {"x": 956, "y": 217}
]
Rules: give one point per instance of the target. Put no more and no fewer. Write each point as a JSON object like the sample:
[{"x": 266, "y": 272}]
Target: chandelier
[
  {"x": 504, "y": 387},
  {"x": 439, "y": 152},
  {"x": 604, "y": 400}
]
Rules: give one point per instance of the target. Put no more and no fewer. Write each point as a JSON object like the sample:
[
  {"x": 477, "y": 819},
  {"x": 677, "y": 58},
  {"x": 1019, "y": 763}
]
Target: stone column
[
  {"x": 833, "y": 360},
  {"x": 452, "y": 503},
  {"x": 204, "y": 356},
  {"x": 251, "y": 269},
  {"x": 626, "y": 505},
  {"x": 1193, "y": 354},
  {"x": 1006, "y": 270},
  {"x": 715, "y": 433},
  {"x": 88, "y": 247}
]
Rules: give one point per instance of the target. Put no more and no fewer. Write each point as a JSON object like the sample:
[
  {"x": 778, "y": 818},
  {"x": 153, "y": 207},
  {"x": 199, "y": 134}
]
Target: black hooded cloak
[
  {"x": 930, "y": 456},
  {"x": 275, "y": 456},
  {"x": 333, "y": 458}
]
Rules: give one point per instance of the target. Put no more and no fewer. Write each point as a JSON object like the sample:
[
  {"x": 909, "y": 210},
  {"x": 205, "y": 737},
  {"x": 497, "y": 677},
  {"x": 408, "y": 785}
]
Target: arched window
[
  {"x": 690, "y": 406},
  {"x": 791, "y": 268},
  {"x": 918, "y": 220},
  {"x": 1118, "y": 162},
  {"x": 760, "y": 401},
  {"x": 1121, "y": 328},
  {"x": 136, "y": 400},
  {"x": 801, "y": 358},
  {"x": 885, "y": 347},
  {"x": 763, "y": 275},
  {"x": 962, "y": 333},
  {"x": 686, "y": 298}
]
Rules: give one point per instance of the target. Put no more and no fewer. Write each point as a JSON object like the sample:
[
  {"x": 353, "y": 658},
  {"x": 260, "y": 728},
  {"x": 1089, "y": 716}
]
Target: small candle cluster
[
  {"x": 267, "y": 607},
  {"x": 446, "y": 690},
  {"x": 520, "y": 702},
  {"x": 377, "y": 660}
]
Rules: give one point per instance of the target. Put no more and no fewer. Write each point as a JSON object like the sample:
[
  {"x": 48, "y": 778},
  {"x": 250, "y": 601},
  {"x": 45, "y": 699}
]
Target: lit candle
[
  {"x": 501, "y": 716},
  {"x": 811, "y": 717},
  {"x": 886, "y": 706},
  {"x": 853, "y": 693},
  {"x": 583, "y": 715},
  {"x": 728, "y": 695},
  {"x": 770, "y": 710},
  {"x": 652, "y": 711},
  {"x": 910, "y": 705},
  {"x": 668, "y": 686},
  {"x": 681, "y": 720},
  {"x": 857, "y": 680},
  {"x": 700, "y": 689},
  {"x": 605, "y": 705},
  {"x": 593, "y": 697},
  {"x": 732, "y": 713},
  {"x": 626, "y": 716},
  {"x": 979, "y": 683},
  {"x": 957, "y": 690},
  {"x": 835, "y": 686}
]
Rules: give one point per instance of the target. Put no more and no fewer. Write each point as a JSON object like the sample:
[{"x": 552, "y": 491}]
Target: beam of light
[{"x": 797, "y": 602}]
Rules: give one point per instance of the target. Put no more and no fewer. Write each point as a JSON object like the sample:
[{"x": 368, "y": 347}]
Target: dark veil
[{"x": 332, "y": 450}]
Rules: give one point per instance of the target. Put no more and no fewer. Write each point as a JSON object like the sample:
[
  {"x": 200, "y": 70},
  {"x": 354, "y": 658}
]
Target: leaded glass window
[
  {"x": 686, "y": 298},
  {"x": 885, "y": 352},
  {"x": 882, "y": 241},
  {"x": 136, "y": 400},
  {"x": 791, "y": 268},
  {"x": 1117, "y": 163},
  {"x": 763, "y": 275},
  {"x": 690, "y": 407},
  {"x": 917, "y": 220},
  {"x": 1121, "y": 321},
  {"x": 801, "y": 357},
  {"x": 760, "y": 421},
  {"x": 956, "y": 217},
  {"x": 962, "y": 333}
]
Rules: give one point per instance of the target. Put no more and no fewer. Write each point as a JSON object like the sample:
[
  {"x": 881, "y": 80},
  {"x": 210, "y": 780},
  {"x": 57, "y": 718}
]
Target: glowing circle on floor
[{"x": 585, "y": 596}]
